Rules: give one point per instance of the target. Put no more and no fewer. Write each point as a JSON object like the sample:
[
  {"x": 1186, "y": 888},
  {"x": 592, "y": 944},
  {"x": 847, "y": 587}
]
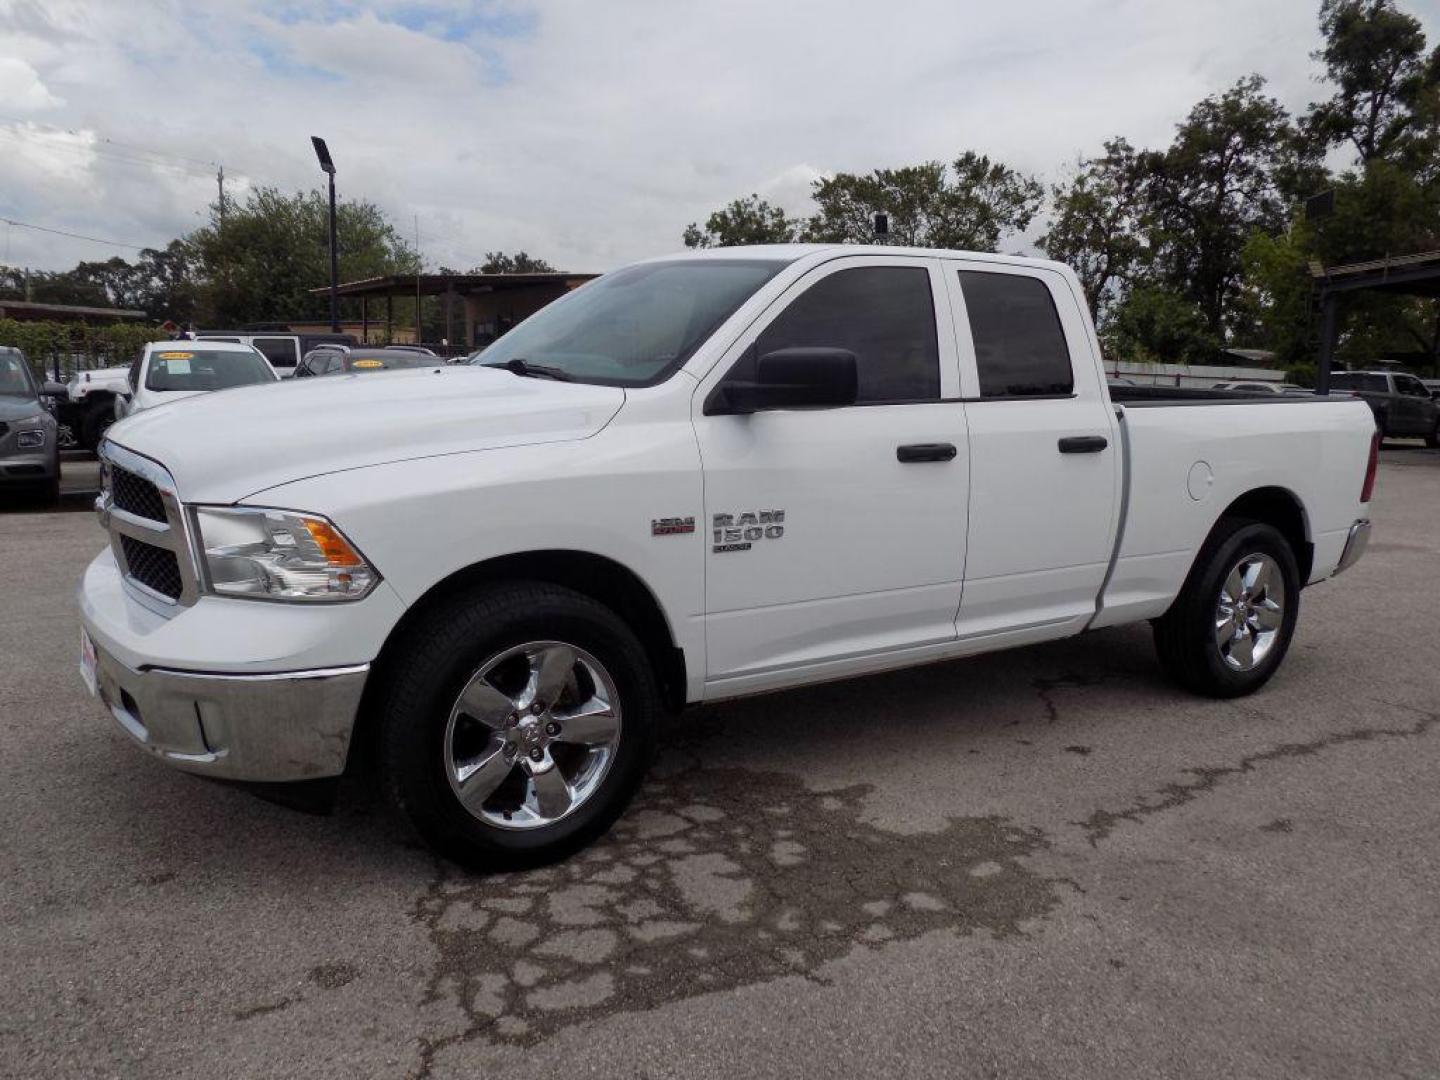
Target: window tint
[
  {"x": 1370, "y": 384},
  {"x": 279, "y": 351},
  {"x": 198, "y": 368},
  {"x": 1407, "y": 384},
  {"x": 1020, "y": 348},
  {"x": 883, "y": 314}
]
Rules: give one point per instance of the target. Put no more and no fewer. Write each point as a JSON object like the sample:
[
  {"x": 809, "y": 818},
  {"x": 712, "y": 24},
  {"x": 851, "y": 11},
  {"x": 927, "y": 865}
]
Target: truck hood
[{"x": 225, "y": 446}]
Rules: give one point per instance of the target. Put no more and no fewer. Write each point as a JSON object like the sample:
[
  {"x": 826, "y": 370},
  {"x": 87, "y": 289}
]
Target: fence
[
  {"x": 1193, "y": 375},
  {"x": 57, "y": 350}
]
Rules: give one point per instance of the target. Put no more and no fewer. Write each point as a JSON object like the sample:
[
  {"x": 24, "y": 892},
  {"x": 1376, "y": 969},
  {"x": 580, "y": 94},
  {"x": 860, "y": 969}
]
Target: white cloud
[
  {"x": 21, "y": 88},
  {"x": 590, "y": 133}
]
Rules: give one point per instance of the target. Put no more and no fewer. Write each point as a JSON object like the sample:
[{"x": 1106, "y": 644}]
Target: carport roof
[
  {"x": 439, "y": 284},
  {"x": 1414, "y": 275}
]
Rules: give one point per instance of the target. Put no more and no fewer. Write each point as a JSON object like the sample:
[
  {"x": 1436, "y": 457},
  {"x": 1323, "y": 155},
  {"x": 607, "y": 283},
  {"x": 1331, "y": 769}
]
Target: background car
[
  {"x": 281, "y": 347},
  {"x": 167, "y": 371},
  {"x": 29, "y": 452},
  {"x": 1433, "y": 385},
  {"x": 1401, "y": 403},
  {"x": 318, "y": 360},
  {"x": 374, "y": 358}
]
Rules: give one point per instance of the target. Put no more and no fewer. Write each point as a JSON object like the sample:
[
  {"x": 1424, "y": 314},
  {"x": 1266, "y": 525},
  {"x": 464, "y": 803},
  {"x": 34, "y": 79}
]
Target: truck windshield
[
  {"x": 633, "y": 327},
  {"x": 184, "y": 368}
]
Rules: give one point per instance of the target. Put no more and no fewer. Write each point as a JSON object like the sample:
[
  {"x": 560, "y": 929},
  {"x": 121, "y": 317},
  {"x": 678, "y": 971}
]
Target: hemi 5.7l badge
[
  {"x": 671, "y": 526},
  {"x": 740, "y": 532}
]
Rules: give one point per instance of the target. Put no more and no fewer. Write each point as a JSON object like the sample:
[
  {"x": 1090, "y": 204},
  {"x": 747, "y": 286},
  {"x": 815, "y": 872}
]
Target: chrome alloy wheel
[
  {"x": 532, "y": 735},
  {"x": 1250, "y": 612}
]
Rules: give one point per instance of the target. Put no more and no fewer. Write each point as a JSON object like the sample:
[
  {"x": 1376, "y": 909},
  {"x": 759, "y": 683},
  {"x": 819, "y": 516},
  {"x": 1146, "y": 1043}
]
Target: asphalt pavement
[{"x": 1041, "y": 863}]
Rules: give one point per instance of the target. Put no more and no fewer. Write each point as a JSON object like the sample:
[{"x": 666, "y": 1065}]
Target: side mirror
[{"x": 799, "y": 378}]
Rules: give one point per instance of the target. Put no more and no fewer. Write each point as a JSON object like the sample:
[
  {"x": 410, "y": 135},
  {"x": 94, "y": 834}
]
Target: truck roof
[{"x": 787, "y": 253}]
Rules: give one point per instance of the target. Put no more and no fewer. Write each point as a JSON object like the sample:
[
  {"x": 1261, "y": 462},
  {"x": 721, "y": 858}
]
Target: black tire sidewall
[
  {"x": 451, "y": 649},
  {"x": 1197, "y": 632}
]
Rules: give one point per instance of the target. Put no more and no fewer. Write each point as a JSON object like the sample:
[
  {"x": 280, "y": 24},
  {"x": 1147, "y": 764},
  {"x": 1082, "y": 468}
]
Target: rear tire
[
  {"x": 1229, "y": 629},
  {"x": 476, "y": 765},
  {"x": 1433, "y": 439}
]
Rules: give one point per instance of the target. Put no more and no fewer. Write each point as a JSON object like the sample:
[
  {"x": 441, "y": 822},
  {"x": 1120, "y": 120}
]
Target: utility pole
[
  {"x": 418, "y": 265},
  {"x": 323, "y": 153},
  {"x": 220, "y": 179}
]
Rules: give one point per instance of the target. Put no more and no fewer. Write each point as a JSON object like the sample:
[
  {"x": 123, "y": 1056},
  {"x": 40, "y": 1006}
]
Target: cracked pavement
[{"x": 1045, "y": 862}]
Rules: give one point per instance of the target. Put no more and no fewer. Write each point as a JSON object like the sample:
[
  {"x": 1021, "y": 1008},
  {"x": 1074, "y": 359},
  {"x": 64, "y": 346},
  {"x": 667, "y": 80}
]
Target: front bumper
[
  {"x": 1355, "y": 544},
  {"x": 28, "y": 466},
  {"x": 283, "y": 726}
]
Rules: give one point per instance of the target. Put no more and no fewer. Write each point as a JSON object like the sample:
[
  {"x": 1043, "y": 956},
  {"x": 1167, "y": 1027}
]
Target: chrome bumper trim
[
  {"x": 270, "y": 726},
  {"x": 1355, "y": 545}
]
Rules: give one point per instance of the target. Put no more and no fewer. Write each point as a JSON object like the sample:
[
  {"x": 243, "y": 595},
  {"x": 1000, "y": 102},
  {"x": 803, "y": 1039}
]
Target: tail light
[{"x": 1370, "y": 469}]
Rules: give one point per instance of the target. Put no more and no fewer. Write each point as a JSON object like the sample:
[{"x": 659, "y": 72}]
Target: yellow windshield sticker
[
  {"x": 368, "y": 363},
  {"x": 177, "y": 356}
]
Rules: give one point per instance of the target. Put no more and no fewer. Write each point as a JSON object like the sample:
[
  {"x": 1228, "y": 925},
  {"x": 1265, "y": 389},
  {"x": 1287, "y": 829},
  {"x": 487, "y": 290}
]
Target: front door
[{"x": 837, "y": 535}]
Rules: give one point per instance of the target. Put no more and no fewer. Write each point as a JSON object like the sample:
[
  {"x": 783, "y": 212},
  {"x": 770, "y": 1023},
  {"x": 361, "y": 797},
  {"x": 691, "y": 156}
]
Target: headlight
[
  {"x": 279, "y": 555},
  {"x": 32, "y": 439}
]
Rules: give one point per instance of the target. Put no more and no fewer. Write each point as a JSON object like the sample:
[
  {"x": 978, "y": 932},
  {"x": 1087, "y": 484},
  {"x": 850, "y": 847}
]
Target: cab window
[
  {"x": 1020, "y": 347},
  {"x": 885, "y": 315}
]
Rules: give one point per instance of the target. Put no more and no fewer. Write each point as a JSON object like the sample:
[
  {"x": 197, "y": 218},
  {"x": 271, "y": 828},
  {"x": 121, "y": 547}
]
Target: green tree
[
  {"x": 273, "y": 250},
  {"x": 498, "y": 262},
  {"x": 1097, "y": 223},
  {"x": 750, "y": 220},
  {"x": 970, "y": 204},
  {"x": 1374, "y": 56},
  {"x": 1155, "y": 325},
  {"x": 1220, "y": 181}
]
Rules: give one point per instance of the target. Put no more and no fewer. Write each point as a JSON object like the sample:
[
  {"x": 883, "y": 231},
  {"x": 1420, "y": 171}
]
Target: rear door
[
  {"x": 1045, "y": 467},
  {"x": 837, "y": 535}
]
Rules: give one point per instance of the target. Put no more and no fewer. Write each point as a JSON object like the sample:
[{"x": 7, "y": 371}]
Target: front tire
[
  {"x": 518, "y": 721},
  {"x": 1229, "y": 629},
  {"x": 1433, "y": 439}
]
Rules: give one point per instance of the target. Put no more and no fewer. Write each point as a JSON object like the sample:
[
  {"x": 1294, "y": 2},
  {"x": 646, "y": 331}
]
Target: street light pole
[{"x": 323, "y": 153}]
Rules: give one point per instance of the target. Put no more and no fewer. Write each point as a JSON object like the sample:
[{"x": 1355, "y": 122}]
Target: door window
[
  {"x": 885, "y": 315},
  {"x": 1020, "y": 348},
  {"x": 1408, "y": 385}
]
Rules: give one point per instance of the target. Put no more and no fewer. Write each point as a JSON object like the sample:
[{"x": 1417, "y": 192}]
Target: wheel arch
[
  {"x": 599, "y": 577},
  {"x": 1281, "y": 508}
]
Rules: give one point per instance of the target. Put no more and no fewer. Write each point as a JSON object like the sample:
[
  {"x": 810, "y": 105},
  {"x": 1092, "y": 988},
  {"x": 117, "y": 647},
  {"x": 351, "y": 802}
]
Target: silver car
[{"x": 29, "y": 452}]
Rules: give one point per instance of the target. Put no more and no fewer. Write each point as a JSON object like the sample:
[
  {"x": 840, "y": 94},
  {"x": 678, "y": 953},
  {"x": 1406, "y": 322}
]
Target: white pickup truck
[{"x": 694, "y": 478}]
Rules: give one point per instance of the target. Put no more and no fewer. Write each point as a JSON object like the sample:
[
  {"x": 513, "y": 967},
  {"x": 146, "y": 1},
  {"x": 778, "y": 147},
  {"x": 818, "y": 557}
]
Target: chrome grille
[
  {"x": 149, "y": 531},
  {"x": 154, "y": 567},
  {"x": 136, "y": 495}
]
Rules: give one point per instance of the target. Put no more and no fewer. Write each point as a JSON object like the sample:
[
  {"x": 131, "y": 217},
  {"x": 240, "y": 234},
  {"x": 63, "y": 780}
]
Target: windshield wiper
[{"x": 522, "y": 367}]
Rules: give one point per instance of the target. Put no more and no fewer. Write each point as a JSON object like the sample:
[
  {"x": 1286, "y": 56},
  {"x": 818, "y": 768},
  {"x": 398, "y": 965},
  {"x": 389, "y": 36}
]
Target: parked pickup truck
[
  {"x": 694, "y": 478},
  {"x": 1401, "y": 403}
]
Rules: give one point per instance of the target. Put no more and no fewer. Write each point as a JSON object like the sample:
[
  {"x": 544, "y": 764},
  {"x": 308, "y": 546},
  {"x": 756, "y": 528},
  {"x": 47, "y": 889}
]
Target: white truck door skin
[
  {"x": 822, "y": 545},
  {"x": 1045, "y": 457}
]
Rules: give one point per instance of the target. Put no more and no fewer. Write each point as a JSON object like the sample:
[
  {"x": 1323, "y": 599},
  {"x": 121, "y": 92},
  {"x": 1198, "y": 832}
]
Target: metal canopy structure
[
  {"x": 1407, "y": 275},
  {"x": 452, "y": 288}
]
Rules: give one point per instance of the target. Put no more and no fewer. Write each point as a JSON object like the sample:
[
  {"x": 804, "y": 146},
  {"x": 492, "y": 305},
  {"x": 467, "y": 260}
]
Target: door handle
[
  {"x": 1083, "y": 444},
  {"x": 929, "y": 451}
]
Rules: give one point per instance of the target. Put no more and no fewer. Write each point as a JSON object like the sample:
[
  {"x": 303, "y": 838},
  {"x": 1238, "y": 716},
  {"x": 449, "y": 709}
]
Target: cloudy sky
[{"x": 589, "y": 133}]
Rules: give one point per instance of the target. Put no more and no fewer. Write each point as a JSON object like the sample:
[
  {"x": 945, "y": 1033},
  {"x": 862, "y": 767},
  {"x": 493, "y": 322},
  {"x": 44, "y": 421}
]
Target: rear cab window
[{"x": 1020, "y": 345}]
